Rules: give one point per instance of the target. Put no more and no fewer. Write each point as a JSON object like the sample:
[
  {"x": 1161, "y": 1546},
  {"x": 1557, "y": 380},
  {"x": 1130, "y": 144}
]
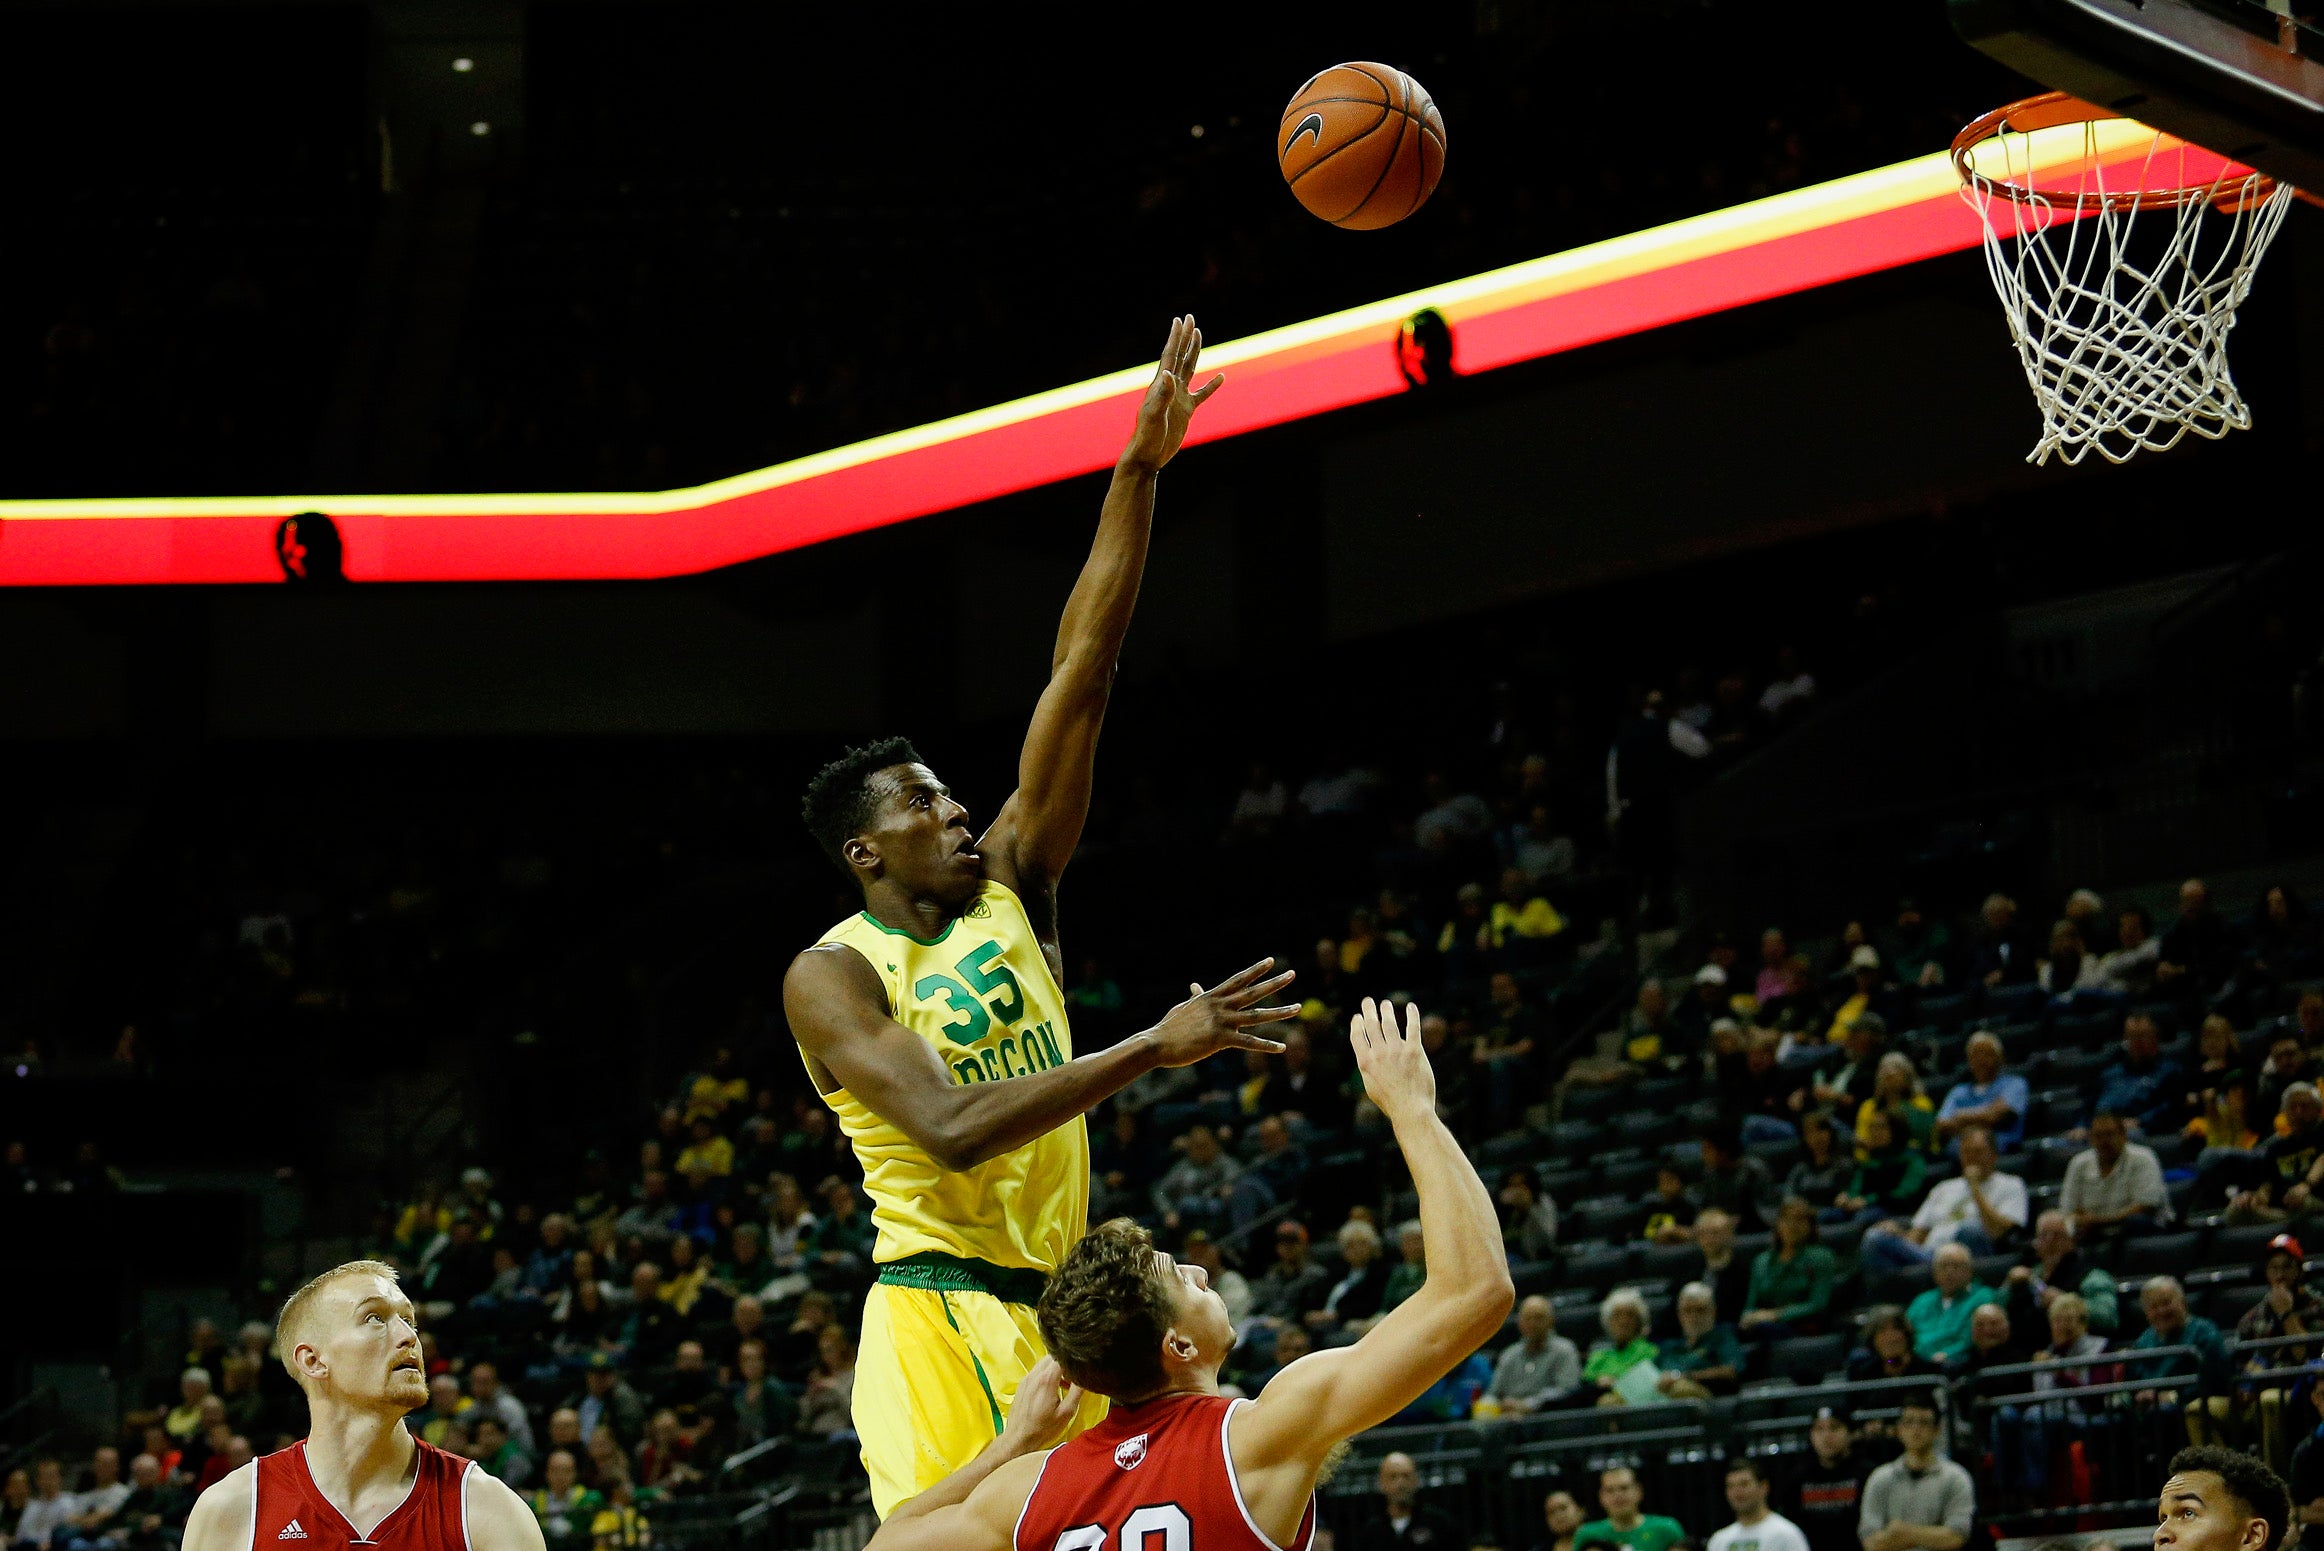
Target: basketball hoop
[{"x": 2121, "y": 260}]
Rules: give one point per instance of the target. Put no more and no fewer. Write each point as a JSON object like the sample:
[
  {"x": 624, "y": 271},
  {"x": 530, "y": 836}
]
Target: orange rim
[{"x": 2051, "y": 110}]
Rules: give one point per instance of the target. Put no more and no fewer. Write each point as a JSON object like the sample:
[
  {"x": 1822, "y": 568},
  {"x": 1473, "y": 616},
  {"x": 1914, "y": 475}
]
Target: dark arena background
[{"x": 1687, "y": 691}]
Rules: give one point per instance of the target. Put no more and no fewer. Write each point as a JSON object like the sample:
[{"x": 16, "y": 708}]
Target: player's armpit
[
  {"x": 221, "y": 1517},
  {"x": 985, "y": 1521},
  {"x": 1334, "y": 1394},
  {"x": 498, "y": 1519},
  {"x": 839, "y": 1014}
]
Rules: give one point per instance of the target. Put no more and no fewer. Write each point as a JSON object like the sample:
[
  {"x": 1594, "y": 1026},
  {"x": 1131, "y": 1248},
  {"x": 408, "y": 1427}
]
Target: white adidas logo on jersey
[{"x": 292, "y": 1531}]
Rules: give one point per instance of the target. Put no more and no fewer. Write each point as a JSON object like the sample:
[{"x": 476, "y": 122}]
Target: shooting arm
[{"x": 1035, "y": 833}]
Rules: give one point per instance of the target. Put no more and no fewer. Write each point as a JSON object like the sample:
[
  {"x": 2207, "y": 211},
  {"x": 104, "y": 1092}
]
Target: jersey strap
[{"x": 932, "y": 1270}]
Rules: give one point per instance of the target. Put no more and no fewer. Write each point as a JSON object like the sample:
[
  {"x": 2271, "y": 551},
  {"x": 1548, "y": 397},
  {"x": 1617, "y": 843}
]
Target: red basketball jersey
[
  {"x": 1151, "y": 1477},
  {"x": 293, "y": 1516}
]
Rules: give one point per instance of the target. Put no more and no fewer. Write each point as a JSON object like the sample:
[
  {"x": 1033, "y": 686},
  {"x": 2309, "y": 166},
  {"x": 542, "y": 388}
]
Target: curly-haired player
[
  {"x": 933, "y": 1025},
  {"x": 1175, "y": 1460}
]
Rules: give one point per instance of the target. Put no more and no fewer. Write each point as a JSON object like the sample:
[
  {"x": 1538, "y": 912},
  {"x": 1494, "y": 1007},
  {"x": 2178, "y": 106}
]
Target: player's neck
[
  {"x": 1626, "y": 1523},
  {"x": 351, "y": 1451},
  {"x": 893, "y": 907},
  {"x": 1748, "y": 1520}
]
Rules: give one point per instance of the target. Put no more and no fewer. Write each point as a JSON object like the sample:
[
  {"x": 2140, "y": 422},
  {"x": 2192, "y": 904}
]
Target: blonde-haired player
[
  {"x": 360, "y": 1479},
  {"x": 933, "y": 1023}
]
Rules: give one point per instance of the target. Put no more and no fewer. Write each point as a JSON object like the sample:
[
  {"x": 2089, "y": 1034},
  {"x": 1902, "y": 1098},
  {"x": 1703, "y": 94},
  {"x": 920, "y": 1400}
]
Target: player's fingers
[
  {"x": 1208, "y": 388},
  {"x": 1261, "y": 991},
  {"x": 1412, "y": 1022},
  {"x": 1239, "y": 1040},
  {"x": 1241, "y": 978},
  {"x": 1243, "y": 1017}
]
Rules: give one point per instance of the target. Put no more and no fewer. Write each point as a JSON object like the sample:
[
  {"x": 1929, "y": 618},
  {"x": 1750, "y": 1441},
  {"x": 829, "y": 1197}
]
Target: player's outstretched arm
[
  {"x": 839, "y": 1013},
  {"x": 1280, "y": 1441},
  {"x": 498, "y": 1519},
  {"x": 1033, "y": 836},
  {"x": 221, "y": 1517},
  {"x": 977, "y": 1507}
]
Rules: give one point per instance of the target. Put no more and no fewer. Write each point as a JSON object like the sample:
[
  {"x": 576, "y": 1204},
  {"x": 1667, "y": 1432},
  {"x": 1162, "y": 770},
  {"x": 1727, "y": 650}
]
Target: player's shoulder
[
  {"x": 497, "y": 1517},
  {"x": 225, "y": 1516}
]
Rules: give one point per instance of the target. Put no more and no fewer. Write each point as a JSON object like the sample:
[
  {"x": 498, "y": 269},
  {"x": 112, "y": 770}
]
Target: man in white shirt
[
  {"x": 2112, "y": 1182},
  {"x": 107, "y": 1492},
  {"x": 1980, "y": 1209},
  {"x": 51, "y": 1506},
  {"x": 1757, "y": 1527}
]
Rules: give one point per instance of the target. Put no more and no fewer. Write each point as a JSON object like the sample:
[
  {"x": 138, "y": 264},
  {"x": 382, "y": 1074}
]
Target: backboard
[{"x": 2240, "y": 77}]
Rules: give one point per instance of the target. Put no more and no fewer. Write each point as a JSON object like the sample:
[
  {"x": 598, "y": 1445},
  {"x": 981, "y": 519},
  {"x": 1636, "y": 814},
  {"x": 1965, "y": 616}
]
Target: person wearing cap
[
  {"x": 606, "y": 1400},
  {"x": 1917, "y": 948},
  {"x": 1294, "y": 1285},
  {"x": 2289, "y": 1308},
  {"x": 1871, "y": 994},
  {"x": 1823, "y": 1492},
  {"x": 1989, "y": 1097},
  {"x": 1704, "y": 1005}
]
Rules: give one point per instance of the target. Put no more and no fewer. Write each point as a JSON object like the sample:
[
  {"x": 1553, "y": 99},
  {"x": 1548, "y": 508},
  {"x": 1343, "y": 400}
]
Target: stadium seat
[
  {"x": 1677, "y": 1263},
  {"x": 2230, "y": 1302},
  {"x": 1779, "y": 1156},
  {"x": 1612, "y": 1218},
  {"x": 1945, "y": 1013},
  {"x": 2240, "y": 1245},
  {"x": 1597, "y": 1267},
  {"x": 1643, "y": 1128},
  {"x": 1807, "y": 1359},
  {"x": 2160, "y": 1254},
  {"x": 1569, "y": 1184},
  {"x": 1582, "y": 1103},
  {"x": 2012, "y": 1003},
  {"x": 1575, "y": 1139},
  {"x": 1632, "y": 1178},
  {"x": 2055, "y": 1111}
]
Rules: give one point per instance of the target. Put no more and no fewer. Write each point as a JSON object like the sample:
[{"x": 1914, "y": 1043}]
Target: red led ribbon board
[{"x": 1729, "y": 258}]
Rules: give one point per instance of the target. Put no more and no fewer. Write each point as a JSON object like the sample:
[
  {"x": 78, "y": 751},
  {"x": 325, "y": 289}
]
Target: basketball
[{"x": 1361, "y": 146}]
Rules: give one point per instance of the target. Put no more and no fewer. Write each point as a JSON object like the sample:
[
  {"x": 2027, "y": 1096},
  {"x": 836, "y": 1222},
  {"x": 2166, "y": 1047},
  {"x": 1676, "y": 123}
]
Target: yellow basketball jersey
[{"x": 981, "y": 994}]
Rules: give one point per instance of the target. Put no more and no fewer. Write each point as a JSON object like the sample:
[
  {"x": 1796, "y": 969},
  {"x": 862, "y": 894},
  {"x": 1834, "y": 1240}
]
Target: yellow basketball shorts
[{"x": 935, "y": 1375}]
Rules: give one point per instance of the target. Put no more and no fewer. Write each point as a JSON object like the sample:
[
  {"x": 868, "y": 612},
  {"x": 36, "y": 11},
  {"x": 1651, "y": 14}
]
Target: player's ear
[
  {"x": 861, "y": 853},
  {"x": 1179, "y": 1347}
]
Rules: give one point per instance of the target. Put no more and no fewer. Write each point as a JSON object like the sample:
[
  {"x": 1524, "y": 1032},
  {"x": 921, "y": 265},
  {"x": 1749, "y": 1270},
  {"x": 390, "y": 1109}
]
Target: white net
[{"x": 2121, "y": 282}]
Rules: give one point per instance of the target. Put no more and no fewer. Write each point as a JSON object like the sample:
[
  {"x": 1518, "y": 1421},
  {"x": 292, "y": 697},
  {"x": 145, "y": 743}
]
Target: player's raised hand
[
  {"x": 1045, "y": 1403},
  {"x": 1397, "y": 1075},
  {"x": 1171, "y": 399},
  {"x": 1223, "y": 1017}
]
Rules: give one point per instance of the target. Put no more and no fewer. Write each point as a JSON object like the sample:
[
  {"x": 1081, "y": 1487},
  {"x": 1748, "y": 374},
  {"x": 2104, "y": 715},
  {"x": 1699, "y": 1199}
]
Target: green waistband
[{"x": 934, "y": 1271}]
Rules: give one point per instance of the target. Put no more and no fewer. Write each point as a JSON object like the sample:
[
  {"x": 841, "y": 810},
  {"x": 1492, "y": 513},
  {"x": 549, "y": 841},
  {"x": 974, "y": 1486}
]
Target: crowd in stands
[{"x": 1933, "y": 1158}]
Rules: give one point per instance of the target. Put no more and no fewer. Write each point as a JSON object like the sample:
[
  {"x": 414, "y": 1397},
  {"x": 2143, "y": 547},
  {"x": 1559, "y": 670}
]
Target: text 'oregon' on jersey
[{"x": 981, "y": 994}]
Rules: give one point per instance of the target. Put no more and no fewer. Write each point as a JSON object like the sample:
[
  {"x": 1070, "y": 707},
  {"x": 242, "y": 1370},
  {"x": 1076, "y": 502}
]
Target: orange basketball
[{"x": 1361, "y": 145}]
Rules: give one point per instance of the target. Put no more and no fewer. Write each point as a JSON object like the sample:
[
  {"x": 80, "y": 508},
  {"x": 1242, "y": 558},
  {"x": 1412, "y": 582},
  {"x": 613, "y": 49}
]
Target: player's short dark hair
[
  {"x": 1749, "y": 1467},
  {"x": 838, "y": 805},
  {"x": 2247, "y": 1477},
  {"x": 1106, "y": 1309},
  {"x": 1921, "y": 1400}
]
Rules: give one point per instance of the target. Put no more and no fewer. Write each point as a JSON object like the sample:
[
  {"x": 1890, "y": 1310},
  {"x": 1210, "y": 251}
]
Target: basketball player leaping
[
  {"x": 933, "y": 1025},
  {"x": 1176, "y": 1463},
  {"x": 360, "y": 1479}
]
